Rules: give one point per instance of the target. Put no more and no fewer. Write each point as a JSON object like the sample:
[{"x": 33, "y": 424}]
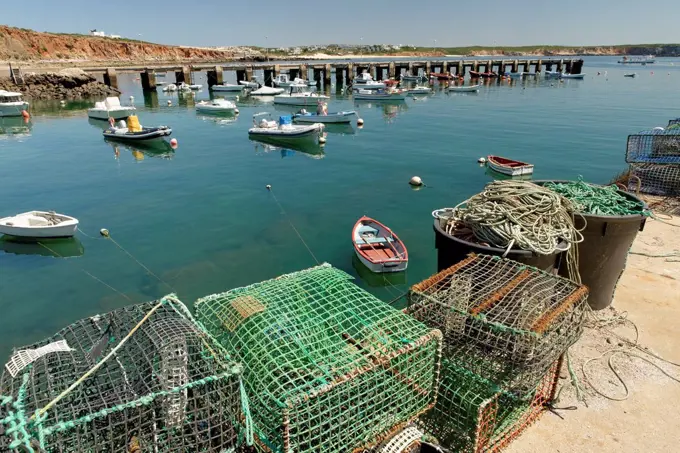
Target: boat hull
[
  {"x": 369, "y": 86},
  {"x": 510, "y": 171},
  {"x": 152, "y": 134},
  {"x": 377, "y": 257},
  {"x": 331, "y": 118},
  {"x": 380, "y": 268},
  {"x": 64, "y": 229},
  {"x": 465, "y": 89},
  {"x": 301, "y": 132},
  {"x": 232, "y": 88},
  {"x": 380, "y": 97},
  {"x": 304, "y": 101},
  {"x": 117, "y": 114},
  {"x": 13, "y": 108},
  {"x": 215, "y": 110}
]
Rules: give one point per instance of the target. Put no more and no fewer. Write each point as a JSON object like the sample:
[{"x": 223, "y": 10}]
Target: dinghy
[
  {"x": 188, "y": 87},
  {"x": 484, "y": 75},
  {"x": 441, "y": 76},
  {"x": 572, "y": 76},
  {"x": 508, "y": 166},
  {"x": 228, "y": 87},
  {"x": 465, "y": 89},
  {"x": 377, "y": 247},
  {"x": 412, "y": 78},
  {"x": 216, "y": 106},
  {"x": 39, "y": 224},
  {"x": 380, "y": 95},
  {"x": 299, "y": 95},
  {"x": 147, "y": 133},
  {"x": 110, "y": 108},
  {"x": 283, "y": 129},
  {"x": 335, "y": 117},
  {"x": 267, "y": 91},
  {"x": 419, "y": 89}
]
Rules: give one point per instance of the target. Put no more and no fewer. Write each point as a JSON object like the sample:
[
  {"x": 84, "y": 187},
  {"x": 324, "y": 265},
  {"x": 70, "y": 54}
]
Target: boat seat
[
  {"x": 367, "y": 229},
  {"x": 37, "y": 221}
]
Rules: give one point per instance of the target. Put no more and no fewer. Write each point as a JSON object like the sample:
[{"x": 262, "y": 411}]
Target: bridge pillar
[
  {"x": 215, "y": 76},
  {"x": 183, "y": 75},
  {"x": 111, "y": 78},
  {"x": 148, "y": 80},
  {"x": 327, "y": 74}
]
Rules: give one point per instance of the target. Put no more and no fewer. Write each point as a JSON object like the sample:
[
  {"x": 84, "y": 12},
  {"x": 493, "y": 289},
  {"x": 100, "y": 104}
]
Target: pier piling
[
  {"x": 148, "y": 80},
  {"x": 241, "y": 74},
  {"x": 183, "y": 75},
  {"x": 350, "y": 73},
  {"x": 111, "y": 78},
  {"x": 215, "y": 76},
  {"x": 327, "y": 74},
  {"x": 249, "y": 73},
  {"x": 269, "y": 77}
]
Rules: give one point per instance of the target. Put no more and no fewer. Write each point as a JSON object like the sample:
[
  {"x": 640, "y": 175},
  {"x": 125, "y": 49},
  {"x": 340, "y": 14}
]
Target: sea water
[{"x": 202, "y": 221}]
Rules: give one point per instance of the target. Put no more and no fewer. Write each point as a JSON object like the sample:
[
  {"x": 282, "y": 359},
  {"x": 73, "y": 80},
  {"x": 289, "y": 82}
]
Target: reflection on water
[
  {"x": 222, "y": 118},
  {"x": 377, "y": 280},
  {"x": 99, "y": 124},
  {"x": 150, "y": 148},
  {"x": 340, "y": 128},
  {"x": 52, "y": 107},
  {"x": 15, "y": 126},
  {"x": 390, "y": 108},
  {"x": 288, "y": 147},
  {"x": 57, "y": 248},
  {"x": 151, "y": 99}
]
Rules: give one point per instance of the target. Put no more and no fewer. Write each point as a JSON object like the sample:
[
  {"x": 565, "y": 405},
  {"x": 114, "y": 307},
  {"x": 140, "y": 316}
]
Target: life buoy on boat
[{"x": 25, "y": 114}]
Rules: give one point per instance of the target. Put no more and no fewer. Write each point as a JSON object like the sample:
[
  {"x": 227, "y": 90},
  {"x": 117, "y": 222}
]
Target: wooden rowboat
[
  {"x": 377, "y": 247},
  {"x": 508, "y": 166},
  {"x": 485, "y": 75}
]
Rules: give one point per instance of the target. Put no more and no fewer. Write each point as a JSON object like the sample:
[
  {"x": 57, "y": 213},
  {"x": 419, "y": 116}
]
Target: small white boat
[
  {"x": 11, "y": 104},
  {"x": 377, "y": 95},
  {"x": 509, "y": 167},
  {"x": 39, "y": 224},
  {"x": 412, "y": 78},
  {"x": 552, "y": 74},
  {"x": 283, "y": 81},
  {"x": 572, "y": 76},
  {"x": 334, "y": 117},
  {"x": 187, "y": 86},
  {"x": 110, "y": 108},
  {"x": 377, "y": 247},
  {"x": 267, "y": 91},
  {"x": 249, "y": 84},
  {"x": 170, "y": 87},
  {"x": 216, "y": 106},
  {"x": 363, "y": 78},
  {"x": 465, "y": 88},
  {"x": 369, "y": 85},
  {"x": 283, "y": 129},
  {"x": 419, "y": 89},
  {"x": 300, "y": 96},
  {"x": 228, "y": 87}
]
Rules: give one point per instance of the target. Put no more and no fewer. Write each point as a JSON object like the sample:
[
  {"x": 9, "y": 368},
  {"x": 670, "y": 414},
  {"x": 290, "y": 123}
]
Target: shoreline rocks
[{"x": 67, "y": 84}]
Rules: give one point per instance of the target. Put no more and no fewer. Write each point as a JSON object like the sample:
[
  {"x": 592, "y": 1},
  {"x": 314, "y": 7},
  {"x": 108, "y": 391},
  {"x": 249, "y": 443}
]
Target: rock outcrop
[{"x": 67, "y": 84}]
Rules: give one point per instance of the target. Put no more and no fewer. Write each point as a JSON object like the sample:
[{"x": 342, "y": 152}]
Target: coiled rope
[{"x": 596, "y": 200}]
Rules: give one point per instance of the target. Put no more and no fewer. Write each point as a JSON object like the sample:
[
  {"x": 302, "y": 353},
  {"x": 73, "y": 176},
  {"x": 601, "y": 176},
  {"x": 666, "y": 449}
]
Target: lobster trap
[
  {"x": 143, "y": 378},
  {"x": 655, "y": 179},
  {"x": 654, "y": 147},
  {"x": 472, "y": 415},
  {"x": 329, "y": 367},
  {"x": 674, "y": 122},
  {"x": 501, "y": 320}
]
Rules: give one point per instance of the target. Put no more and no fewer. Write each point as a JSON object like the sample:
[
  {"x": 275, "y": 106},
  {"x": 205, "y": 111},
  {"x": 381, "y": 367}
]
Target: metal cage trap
[
  {"x": 143, "y": 378},
  {"x": 328, "y": 367},
  {"x": 655, "y": 179},
  {"x": 501, "y": 320},
  {"x": 654, "y": 147}
]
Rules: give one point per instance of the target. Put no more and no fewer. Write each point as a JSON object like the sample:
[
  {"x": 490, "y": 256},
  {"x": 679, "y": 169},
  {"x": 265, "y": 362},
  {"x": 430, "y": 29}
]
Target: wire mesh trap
[
  {"x": 654, "y": 147},
  {"x": 472, "y": 415},
  {"x": 329, "y": 367},
  {"x": 143, "y": 378},
  {"x": 655, "y": 179},
  {"x": 674, "y": 122},
  {"x": 501, "y": 320}
]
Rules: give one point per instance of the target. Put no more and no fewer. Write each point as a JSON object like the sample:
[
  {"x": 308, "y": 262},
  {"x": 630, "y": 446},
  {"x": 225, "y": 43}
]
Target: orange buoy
[
  {"x": 173, "y": 143},
  {"x": 111, "y": 121},
  {"x": 25, "y": 114}
]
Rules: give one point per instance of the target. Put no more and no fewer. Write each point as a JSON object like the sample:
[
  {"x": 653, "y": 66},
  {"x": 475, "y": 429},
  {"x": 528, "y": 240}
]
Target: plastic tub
[{"x": 604, "y": 250}]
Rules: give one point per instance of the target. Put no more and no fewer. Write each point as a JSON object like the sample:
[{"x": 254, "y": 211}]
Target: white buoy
[
  {"x": 237, "y": 98},
  {"x": 269, "y": 187},
  {"x": 132, "y": 99},
  {"x": 360, "y": 122},
  {"x": 104, "y": 232},
  {"x": 416, "y": 181},
  {"x": 169, "y": 102},
  {"x": 236, "y": 111},
  {"x": 322, "y": 140},
  {"x": 481, "y": 160}
]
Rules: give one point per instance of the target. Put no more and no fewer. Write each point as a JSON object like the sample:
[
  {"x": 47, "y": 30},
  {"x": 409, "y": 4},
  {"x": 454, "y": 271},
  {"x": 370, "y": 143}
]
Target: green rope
[
  {"x": 16, "y": 421},
  {"x": 596, "y": 200},
  {"x": 246, "y": 413}
]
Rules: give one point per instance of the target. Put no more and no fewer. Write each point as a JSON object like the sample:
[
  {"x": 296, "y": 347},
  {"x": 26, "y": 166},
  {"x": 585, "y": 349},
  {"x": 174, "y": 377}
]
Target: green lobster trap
[
  {"x": 143, "y": 378},
  {"x": 329, "y": 367},
  {"x": 502, "y": 320}
]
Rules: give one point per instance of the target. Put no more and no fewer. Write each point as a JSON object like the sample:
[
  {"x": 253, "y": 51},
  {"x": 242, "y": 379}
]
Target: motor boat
[
  {"x": 369, "y": 85},
  {"x": 484, "y": 75},
  {"x": 631, "y": 75},
  {"x": 39, "y": 224},
  {"x": 377, "y": 247},
  {"x": 441, "y": 76},
  {"x": 283, "y": 129},
  {"x": 110, "y": 108},
  {"x": 249, "y": 84},
  {"x": 376, "y": 95},
  {"x": 267, "y": 91},
  {"x": 11, "y": 104},
  {"x": 228, "y": 87},
  {"x": 132, "y": 131},
  {"x": 572, "y": 76},
  {"x": 328, "y": 118},
  {"x": 419, "y": 89},
  {"x": 283, "y": 81},
  {"x": 465, "y": 89},
  {"x": 412, "y": 78},
  {"x": 188, "y": 87},
  {"x": 300, "y": 96},
  {"x": 170, "y": 87},
  {"x": 216, "y": 106}
]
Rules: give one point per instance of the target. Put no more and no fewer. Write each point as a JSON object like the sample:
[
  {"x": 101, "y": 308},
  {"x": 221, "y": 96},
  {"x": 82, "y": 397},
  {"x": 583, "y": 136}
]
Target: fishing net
[
  {"x": 472, "y": 415},
  {"x": 328, "y": 367},
  {"x": 502, "y": 321},
  {"x": 654, "y": 147},
  {"x": 675, "y": 122},
  {"x": 655, "y": 179},
  {"x": 597, "y": 200},
  {"x": 167, "y": 387}
]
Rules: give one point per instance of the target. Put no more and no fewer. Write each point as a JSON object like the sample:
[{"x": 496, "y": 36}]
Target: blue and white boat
[{"x": 335, "y": 117}]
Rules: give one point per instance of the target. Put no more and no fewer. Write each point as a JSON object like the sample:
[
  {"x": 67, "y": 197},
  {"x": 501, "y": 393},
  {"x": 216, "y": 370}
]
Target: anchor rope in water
[{"x": 291, "y": 224}]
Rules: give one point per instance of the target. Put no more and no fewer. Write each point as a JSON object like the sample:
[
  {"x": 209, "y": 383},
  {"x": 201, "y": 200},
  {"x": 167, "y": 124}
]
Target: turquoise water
[{"x": 201, "y": 219}]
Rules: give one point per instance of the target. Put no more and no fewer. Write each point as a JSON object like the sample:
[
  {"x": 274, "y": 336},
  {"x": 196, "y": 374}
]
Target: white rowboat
[
  {"x": 216, "y": 106},
  {"x": 227, "y": 87},
  {"x": 39, "y": 224},
  {"x": 509, "y": 167},
  {"x": 267, "y": 91},
  {"x": 465, "y": 89}
]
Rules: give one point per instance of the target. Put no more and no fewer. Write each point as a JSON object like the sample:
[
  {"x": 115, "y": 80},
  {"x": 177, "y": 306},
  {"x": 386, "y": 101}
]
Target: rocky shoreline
[{"x": 67, "y": 84}]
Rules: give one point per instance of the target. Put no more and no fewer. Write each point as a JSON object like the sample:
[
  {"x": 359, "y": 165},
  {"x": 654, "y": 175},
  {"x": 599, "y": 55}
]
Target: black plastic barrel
[
  {"x": 452, "y": 250},
  {"x": 603, "y": 252}
]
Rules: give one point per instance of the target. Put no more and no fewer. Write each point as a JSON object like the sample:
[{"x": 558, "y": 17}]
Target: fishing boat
[
  {"x": 419, "y": 89},
  {"x": 378, "y": 95},
  {"x": 300, "y": 95},
  {"x": 110, "y": 108},
  {"x": 283, "y": 129},
  {"x": 216, "y": 106},
  {"x": 632, "y": 75},
  {"x": 377, "y": 247},
  {"x": 267, "y": 91},
  {"x": 11, "y": 104},
  {"x": 365, "y": 79},
  {"x": 572, "y": 76},
  {"x": 465, "y": 89},
  {"x": 484, "y": 75},
  {"x": 643, "y": 60},
  {"x": 39, "y": 224},
  {"x": 369, "y": 85},
  {"x": 228, "y": 87},
  {"x": 441, "y": 76},
  {"x": 283, "y": 81},
  {"x": 508, "y": 166},
  {"x": 412, "y": 78},
  {"x": 329, "y": 118}
]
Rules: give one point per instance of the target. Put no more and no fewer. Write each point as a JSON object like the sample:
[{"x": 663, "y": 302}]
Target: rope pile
[{"x": 596, "y": 200}]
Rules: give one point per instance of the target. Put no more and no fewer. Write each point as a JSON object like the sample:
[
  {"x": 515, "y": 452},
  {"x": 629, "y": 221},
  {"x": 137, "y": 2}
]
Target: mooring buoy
[{"x": 416, "y": 181}]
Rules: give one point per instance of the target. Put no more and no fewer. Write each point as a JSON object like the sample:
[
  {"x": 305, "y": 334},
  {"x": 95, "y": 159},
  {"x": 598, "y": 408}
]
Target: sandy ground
[{"x": 648, "y": 294}]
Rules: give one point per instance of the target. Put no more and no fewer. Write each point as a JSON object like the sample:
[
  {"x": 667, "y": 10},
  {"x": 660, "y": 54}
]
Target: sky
[{"x": 275, "y": 23}]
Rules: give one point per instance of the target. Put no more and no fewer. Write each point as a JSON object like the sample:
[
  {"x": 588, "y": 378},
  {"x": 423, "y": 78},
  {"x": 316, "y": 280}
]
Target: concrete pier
[
  {"x": 111, "y": 78},
  {"x": 215, "y": 76},
  {"x": 183, "y": 75},
  {"x": 148, "y": 80}
]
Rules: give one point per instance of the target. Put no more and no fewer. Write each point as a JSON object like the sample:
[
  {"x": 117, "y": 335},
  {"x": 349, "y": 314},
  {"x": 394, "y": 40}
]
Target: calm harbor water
[{"x": 201, "y": 219}]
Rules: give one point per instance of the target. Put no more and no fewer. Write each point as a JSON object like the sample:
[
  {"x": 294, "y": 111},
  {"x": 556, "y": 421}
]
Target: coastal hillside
[{"x": 20, "y": 44}]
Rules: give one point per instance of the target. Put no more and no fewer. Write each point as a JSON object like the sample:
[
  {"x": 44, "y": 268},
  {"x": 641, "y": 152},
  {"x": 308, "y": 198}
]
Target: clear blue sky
[{"x": 301, "y": 22}]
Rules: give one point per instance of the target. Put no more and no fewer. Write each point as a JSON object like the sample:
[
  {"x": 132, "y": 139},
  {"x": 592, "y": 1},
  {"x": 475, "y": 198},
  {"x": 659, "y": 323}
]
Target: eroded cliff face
[{"x": 17, "y": 44}]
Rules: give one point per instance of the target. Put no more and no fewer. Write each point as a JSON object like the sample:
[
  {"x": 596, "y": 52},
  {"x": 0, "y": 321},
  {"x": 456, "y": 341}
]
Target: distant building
[
  {"x": 115, "y": 37},
  {"x": 97, "y": 33}
]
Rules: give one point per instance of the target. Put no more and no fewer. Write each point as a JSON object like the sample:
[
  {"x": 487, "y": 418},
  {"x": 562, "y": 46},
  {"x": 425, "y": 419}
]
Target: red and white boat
[
  {"x": 484, "y": 75},
  {"x": 508, "y": 166},
  {"x": 377, "y": 247}
]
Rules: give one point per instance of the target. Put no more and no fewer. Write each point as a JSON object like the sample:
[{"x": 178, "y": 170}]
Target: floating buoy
[
  {"x": 169, "y": 102},
  {"x": 416, "y": 181},
  {"x": 322, "y": 140},
  {"x": 25, "y": 114},
  {"x": 237, "y": 98},
  {"x": 104, "y": 232},
  {"x": 132, "y": 99},
  {"x": 482, "y": 160},
  {"x": 269, "y": 187},
  {"x": 111, "y": 121},
  {"x": 360, "y": 122},
  {"x": 62, "y": 102},
  {"x": 658, "y": 128},
  {"x": 173, "y": 143},
  {"x": 236, "y": 111}
]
